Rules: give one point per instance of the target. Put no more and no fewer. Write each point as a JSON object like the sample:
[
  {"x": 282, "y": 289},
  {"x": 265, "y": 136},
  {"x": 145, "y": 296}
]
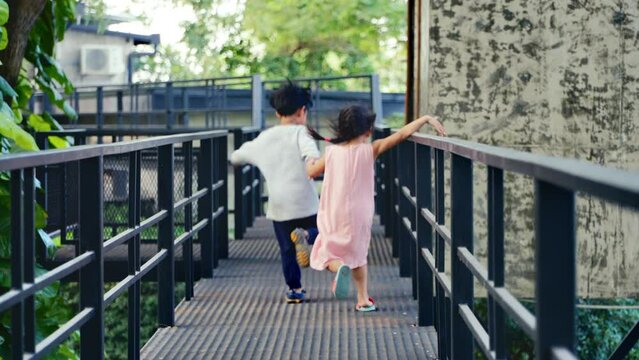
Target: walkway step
[{"x": 241, "y": 312}]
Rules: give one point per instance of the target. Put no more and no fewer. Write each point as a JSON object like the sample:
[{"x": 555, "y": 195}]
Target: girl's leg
[
  {"x": 360, "y": 276},
  {"x": 334, "y": 265}
]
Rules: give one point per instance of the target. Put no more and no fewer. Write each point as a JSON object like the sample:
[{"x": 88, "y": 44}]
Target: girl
[{"x": 346, "y": 207}]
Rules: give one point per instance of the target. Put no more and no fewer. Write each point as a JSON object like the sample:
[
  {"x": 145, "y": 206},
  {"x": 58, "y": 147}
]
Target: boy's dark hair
[
  {"x": 289, "y": 98},
  {"x": 352, "y": 122}
]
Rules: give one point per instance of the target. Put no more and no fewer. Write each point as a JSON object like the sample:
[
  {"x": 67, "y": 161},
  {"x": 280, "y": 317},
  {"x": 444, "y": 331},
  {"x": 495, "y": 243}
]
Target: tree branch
[{"x": 22, "y": 16}]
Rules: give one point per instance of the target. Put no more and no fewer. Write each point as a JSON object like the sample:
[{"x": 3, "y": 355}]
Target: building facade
[{"x": 553, "y": 77}]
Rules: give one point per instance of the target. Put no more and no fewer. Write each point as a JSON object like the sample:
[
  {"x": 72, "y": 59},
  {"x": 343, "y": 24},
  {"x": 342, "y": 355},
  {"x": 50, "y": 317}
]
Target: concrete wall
[{"x": 553, "y": 77}]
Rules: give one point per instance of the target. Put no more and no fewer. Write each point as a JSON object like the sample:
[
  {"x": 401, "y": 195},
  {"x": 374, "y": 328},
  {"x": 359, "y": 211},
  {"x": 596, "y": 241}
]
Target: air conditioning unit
[{"x": 101, "y": 60}]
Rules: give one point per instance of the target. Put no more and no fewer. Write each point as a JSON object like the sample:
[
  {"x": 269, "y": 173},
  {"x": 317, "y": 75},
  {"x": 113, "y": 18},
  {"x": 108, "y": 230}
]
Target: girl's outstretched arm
[
  {"x": 382, "y": 145},
  {"x": 316, "y": 168}
]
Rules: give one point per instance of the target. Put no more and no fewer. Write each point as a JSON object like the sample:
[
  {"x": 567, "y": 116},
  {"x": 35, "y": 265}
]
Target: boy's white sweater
[{"x": 280, "y": 153}]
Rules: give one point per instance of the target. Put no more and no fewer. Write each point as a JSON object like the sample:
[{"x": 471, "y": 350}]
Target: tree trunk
[{"x": 22, "y": 16}]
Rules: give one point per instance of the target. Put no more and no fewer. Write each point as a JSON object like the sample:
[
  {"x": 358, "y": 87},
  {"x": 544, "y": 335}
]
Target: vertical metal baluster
[
  {"x": 440, "y": 257},
  {"x": 403, "y": 235},
  {"x": 134, "y": 257},
  {"x": 17, "y": 262},
  {"x": 423, "y": 192},
  {"x": 396, "y": 222},
  {"x": 496, "y": 319},
  {"x": 412, "y": 215},
  {"x": 120, "y": 108},
  {"x": 388, "y": 186},
  {"x": 224, "y": 175},
  {"x": 205, "y": 208},
  {"x": 187, "y": 246},
  {"x": 170, "y": 114},
  {"x": 555, "y": 265},
  {"x": 92, "y": 274},
  {"x": 215, "y": 173},
  {"x": 239, "y": 212},
  {"x": 166, "y": 268},
  {"x": 462, "y": 236},
  {"x": 29, "y": 259}
]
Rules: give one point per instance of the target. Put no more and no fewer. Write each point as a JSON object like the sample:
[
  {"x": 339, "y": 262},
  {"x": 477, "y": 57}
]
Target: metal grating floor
[{"x": 241, "y": 312}]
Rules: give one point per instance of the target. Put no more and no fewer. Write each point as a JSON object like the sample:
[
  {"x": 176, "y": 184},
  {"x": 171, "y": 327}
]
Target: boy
[{"x": 281, "y": 154}]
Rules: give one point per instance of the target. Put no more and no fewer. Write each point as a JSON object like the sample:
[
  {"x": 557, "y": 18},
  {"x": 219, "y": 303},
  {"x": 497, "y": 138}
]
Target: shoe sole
[
  {"x": 342, "y": 282},
  {"x": 294, "y": 301},
  {"x": 301, "y": 252}
]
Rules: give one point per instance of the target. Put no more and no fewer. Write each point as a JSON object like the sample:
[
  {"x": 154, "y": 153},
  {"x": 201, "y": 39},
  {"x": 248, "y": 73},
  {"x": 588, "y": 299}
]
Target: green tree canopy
[{"x": 278, "y": 38}]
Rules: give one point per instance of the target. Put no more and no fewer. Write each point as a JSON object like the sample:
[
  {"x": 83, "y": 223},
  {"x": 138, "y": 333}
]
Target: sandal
[
  {"x": 342, "y": 282},
  {"x": 367, "y": 308}
]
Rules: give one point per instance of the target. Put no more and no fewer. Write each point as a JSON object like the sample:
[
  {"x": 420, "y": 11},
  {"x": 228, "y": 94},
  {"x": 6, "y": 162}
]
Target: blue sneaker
[{"x": 295, "y": 297}]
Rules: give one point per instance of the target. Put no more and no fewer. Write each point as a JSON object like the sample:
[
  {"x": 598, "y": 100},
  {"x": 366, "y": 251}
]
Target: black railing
[
  {"x": 210, "y": 227},
  {"x": 248, "y": 187},
  {"x": 413, "y": 214},
  {"x": 209, "y": 103}
]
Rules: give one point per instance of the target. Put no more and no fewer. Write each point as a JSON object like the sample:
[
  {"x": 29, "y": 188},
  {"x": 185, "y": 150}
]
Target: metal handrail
[
  {"x": 81, "y": 152},
  {"x": 211, "y": 227},
  {"x": 414, "y": 217}
]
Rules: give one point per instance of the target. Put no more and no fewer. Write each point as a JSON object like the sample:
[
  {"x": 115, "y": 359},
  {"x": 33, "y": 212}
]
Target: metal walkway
[{"x": 241, "y": 312}]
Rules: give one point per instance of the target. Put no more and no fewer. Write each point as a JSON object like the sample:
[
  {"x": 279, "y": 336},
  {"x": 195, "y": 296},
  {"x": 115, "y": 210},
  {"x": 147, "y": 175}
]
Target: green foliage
[
  {"x": 599, "y": 330},
  {"x": 51, "y": 308},
  {"x": 291, "y": 38}
]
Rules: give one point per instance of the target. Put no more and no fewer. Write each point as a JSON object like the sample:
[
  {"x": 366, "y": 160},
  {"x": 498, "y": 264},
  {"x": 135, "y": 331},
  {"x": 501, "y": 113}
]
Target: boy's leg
[
  {"x": 310, "y": 225},
  {"x": 290, "y": 268},
  {"x": 360, "y": 277}
]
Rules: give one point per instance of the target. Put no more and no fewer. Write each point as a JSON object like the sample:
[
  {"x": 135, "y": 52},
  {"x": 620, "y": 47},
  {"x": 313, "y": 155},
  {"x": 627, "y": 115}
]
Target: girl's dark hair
[
  {"x": 352, "y": 122},
  {"x": 289, "y": 98}
]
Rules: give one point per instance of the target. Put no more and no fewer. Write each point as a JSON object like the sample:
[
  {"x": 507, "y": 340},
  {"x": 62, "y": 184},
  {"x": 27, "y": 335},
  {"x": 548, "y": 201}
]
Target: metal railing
[
  {"x": 248, "y": 187},
  {"x": 209, "y": 227},
  {"x": 415, "y": 218},
  {"x": 208, "y": 103}
]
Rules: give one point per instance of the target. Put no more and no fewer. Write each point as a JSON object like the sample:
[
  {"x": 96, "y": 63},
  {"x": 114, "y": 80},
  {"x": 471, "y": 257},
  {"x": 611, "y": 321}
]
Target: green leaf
[
  {"x": 6, "y": 88},
  {"x": 4, "y": 37},
  {"x": 12, "y": 131},
  {"x": 64, "y": 12},
  {"x": 4, "y": 12}
]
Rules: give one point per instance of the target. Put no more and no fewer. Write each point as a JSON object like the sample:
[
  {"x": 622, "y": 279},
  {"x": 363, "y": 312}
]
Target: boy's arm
[
  {"x": 316, "y": 168},
  {"x": 382, "y": 145},
  {"x": 246, "y": 154}
]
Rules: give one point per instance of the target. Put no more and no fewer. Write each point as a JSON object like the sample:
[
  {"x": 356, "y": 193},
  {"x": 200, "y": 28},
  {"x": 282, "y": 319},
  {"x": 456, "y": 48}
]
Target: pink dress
[{"x": 346, "y": 207}]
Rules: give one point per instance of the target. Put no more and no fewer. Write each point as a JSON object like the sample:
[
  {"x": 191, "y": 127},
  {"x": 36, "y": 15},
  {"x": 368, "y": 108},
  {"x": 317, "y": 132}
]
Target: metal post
[
  {"x": 120, "y": 104},
  {"x": 423, "y": 185},
  {"x": 404, "y": 238},
  {"x": 441, "y": 320},
  {"x": 185, "y": 106},
  {"x": 187, "y": 246},
  {"x": 239, "y": 187},
  {"x": 215, "y": 173},
  {"x": 376, "y": 99},
  {"x": 134, "y": 256},
  {"x": 91, "y": 240},
  {"x": 388, "y": 185},
  {"x": 223, "y": 239},
  {"x": 205, "y": 207},
  {"x": 395, "y": 221},
  {"x": 412, "y": 215},
  {"x": 166, "y": 268},
  {"x": 555, "y": 263},
  {"x": 99, "y": 110},
  {"x": 17, "y": 262},
  {"x": 29, "y": 259},
  {"x": 256, "y": 102},
  {"x": 462, "y": 236},
  {"x": 170, "y": 114},
  {"x": 496, "y": 319}
]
